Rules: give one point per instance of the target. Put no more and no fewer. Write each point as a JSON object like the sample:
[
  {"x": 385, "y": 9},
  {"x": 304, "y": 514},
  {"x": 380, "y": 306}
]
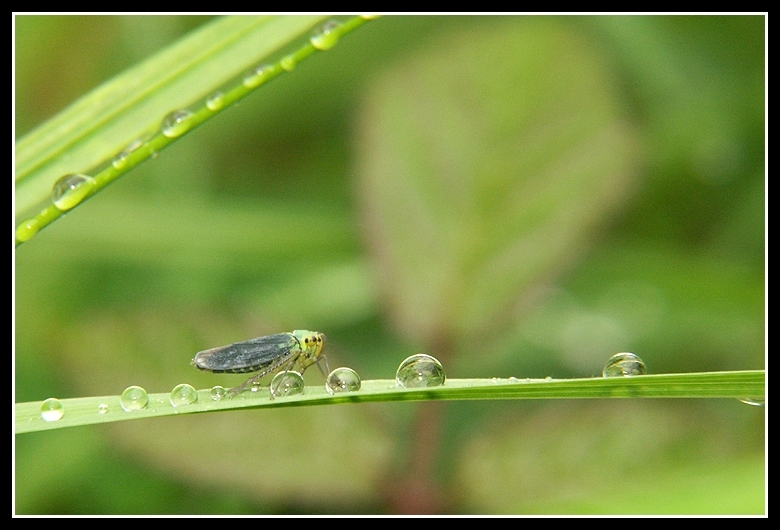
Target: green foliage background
[{"x": 519, "y": 196}]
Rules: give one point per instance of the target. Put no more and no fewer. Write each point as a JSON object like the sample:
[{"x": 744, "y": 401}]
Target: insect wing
[{"x": 250, "y": 355}]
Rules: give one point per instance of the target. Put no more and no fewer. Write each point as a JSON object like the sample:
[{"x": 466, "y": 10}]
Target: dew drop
[
  {"x": 342, "y": 380},
  {"x": 288, "y": 63},
  {"x": 183, "y": 394},
  {"x": 27, "y": 229},
  {"x": 419, "y": 371},
  {"x": 217, "y": 393},
  {"x": 756, "y": 402},
  {"x": 102, "y": 408},
  {"x": 52, "y": 410},
  {"x": 326, "y": 37},
  {"x": 216, "y": 101},
  {"x": 176, "y": 123},
  {"x": 257, "y": 76},
  {"x": 623, "y": 365},
  {"x": 287, "y": 383},
  {"x": 134, "y": 398},
  {"x": 70, "y": 190},
  {"x": 120, "y": 160}
]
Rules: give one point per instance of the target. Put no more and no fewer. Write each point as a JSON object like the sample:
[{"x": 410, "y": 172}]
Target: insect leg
[
  {"x": 237, "y": 390},
  {"x": 327, "y": 368}
]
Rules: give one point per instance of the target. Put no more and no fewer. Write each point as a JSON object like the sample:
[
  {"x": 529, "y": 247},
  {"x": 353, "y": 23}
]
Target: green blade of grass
[
  {"x": 88, "y": 134},
  {"x": 734, "y": 384}
]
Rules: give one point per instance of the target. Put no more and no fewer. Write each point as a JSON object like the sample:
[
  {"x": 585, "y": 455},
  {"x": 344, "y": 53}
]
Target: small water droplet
[
  {"x": 548, "y": 378},
  {"x": 757, "y": 402},
  {"x": 287, "y": 383},
  {"x": 218, "y": 392},
  {"x": 514, "y": 379},
  {"x": 623, "y": 364},
  {"x": 288, "y": 63},
  {"x": 419, "y": 371},
  {"x": 176, "y": 123},
  {"x": 342, "y": 380},
  {"x": 27, "y": 229},
  {"x": 70, "y": 190},
  {"x": 183, "y": 394},
  {"x": 120, "y": 160},
  {"x": 52, "y": 410},
  {"x": 216, "y": 101},
  {"x": 102, "y": 408},
  {"x": 134, "y": 398},
  {"x": 257, "y": 76},
  {"x": 326, "y": 37}
]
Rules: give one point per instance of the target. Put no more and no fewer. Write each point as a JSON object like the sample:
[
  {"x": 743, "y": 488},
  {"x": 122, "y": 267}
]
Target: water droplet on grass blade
[
  {"x": 27, "y": 229},
  {"x": 70, "y": 190},
  {"x": 756, "y": 402},
  {"x": 342, "y": 380},
  {"x": 624, "y": 364},
  {"x": 120, "y": 160},
  {"x": 257, "y": 76},
  {"x": 288, "y": 63},
  {"x": 216, "y": 101},
  {"x": 218, "y": 392},
  {"x": 288, "y": 383},
  {"x": 420, "y": 371},
  {"x": 183, "y": 394},
  {"x": 134, "y": 398},
  {"x": 176, "y": 123},
  {"x": 326, "y": 36},
  {"x": 52, "y": 410}
]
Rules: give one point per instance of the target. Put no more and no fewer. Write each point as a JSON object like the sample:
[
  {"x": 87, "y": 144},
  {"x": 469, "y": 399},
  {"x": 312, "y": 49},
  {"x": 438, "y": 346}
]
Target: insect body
[{"x": 272, "y": 353}]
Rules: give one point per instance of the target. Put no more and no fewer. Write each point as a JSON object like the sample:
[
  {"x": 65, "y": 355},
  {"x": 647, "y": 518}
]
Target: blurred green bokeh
[{"x": 519, "y": 196}]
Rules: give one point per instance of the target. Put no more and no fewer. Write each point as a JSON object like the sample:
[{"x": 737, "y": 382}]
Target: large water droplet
[
  {"x": 326, "y": 37},
  {"x": 176, "y": 123},
  {"x": 183, "y": 394},
  {"x": 257, "y": 76},
  {"x": 27, "y": 229},
  {"x": 134, "y": 398},
  {"x": 287, "y": 383},
  {"x": 623, "y": 364},
  {"x": 419, "y": 371},
  {"x": 70, "y": 190},
  {"x": 52, "y": 410},
  {"x": 342, "y": 380},
  {"x": 216, "y": 101},
  {"x": 218, "y": 392}
]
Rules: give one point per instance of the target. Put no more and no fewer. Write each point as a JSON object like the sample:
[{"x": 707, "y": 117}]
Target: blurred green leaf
[{"x": 487, "y": 163}]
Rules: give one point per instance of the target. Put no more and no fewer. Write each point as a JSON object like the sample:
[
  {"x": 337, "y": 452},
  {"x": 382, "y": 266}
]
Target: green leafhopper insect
[{"x": 268, "y": 354}]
